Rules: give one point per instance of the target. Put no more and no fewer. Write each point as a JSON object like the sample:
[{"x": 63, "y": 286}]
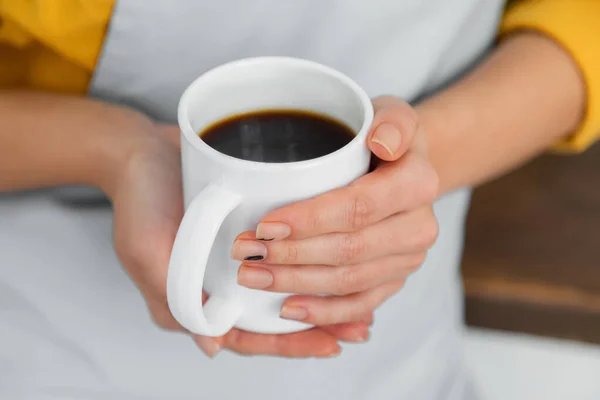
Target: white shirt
[{"x": 73, "y": 326}]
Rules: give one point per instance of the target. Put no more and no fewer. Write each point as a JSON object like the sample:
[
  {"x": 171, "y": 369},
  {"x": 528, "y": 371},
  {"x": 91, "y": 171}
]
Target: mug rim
[{"x": 194, "y": 140}]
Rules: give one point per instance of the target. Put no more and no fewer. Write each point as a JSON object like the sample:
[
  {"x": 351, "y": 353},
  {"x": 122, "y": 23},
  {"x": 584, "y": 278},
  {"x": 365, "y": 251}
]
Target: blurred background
[{"x": 531, "y": 270}]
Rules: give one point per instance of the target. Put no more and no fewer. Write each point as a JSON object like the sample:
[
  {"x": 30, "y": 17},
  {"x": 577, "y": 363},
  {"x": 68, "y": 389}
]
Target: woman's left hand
[{"x": 357, "y": 244}]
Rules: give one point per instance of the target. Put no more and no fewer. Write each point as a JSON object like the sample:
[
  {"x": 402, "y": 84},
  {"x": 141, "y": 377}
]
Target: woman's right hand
[{"x": 148, "y": 208}]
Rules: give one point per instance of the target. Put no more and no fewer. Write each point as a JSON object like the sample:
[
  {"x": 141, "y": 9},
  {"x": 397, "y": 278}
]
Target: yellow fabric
[
  {"x": 54, "y": 44},
  {"x": 51, "y": 44},
  {"x": 576, "y": 25}
]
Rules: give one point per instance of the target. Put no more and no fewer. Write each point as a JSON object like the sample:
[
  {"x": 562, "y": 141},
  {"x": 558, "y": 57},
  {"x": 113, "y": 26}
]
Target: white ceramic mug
[{"x": 225, "y": 196}]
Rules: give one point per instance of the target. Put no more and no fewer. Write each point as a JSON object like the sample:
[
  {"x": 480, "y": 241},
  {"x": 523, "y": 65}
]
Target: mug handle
[{"x": 187, "y": 266}]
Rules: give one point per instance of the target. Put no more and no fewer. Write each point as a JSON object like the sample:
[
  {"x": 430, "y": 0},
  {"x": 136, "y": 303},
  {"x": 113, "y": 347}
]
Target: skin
[{"x": 359, "y": 243}]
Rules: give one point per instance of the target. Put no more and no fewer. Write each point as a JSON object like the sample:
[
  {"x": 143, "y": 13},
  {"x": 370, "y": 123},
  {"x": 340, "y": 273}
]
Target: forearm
[
  {"x": 49, "y": 140},
  {"x": 524, "y": 97}
]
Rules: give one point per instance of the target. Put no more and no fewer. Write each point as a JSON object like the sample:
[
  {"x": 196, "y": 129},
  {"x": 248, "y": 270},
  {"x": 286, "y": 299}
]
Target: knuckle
[
  {"x": 156, "y": 301},
  {"x": 135, "y": 252},
  {"x": 433, "y": 231},
  {"x": 350, "y": 248},
  {"x": 363, "y": 306},
  {"x": 310, "y": 220},
  {"x": 163, "y": 318},
  {"x": 415, "y": 263},
  {"x": 420, "y": 259},
  {"x": 290, "y": 255},
  {"x": 431, "y": 182},
  {"x": 381, "y": 295},
  {"x": 387, "y": 270},
  {"x": 359, "y": 212},
  {"x": 371, "y": 303},
  {"x": 398, "y": 285},
  {"x": 235, "y": 342},
  {"x": 348, "y": 281},
  {"x": 429, "y": 231},
  {"x": 356, "y": 313},
  {"x": 327, "y": 317},
  {"x": 295, "y": 282},
  {"x": 353, "y": 310}
]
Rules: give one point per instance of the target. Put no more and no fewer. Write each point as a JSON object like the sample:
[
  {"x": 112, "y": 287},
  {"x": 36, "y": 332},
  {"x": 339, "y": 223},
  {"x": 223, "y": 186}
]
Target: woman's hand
[
  {"x": 148, "y": 208},
  {"x": 357, "y": 244}
]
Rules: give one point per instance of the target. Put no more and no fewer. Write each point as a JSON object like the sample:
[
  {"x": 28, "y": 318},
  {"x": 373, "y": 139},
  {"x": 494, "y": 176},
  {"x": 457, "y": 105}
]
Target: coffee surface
[{"x": 277, "y": 136}]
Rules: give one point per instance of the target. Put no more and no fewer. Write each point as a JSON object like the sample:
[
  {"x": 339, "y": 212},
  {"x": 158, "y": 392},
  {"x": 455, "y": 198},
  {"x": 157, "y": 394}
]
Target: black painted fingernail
[
  {"x": 275, "y": 230},
  {"x": 254, "y": 258},
  {"x": 249, "y": 250}
]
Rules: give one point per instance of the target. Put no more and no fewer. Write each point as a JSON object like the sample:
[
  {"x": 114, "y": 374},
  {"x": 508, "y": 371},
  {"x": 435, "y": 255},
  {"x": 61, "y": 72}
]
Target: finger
[
  {"x": 315, "y": 346},
  {"x": 161, "y": 314},
  {"x": 369, "y": 319},
  {"x": 324, "y": 279},
  {"x": 310, "y": 343},
  {"x": 391, "y": 188},
  {"x": 250, "y": 343},
  {"x": 329, "y": 310},
  {"x": 394, "y": 126},
  {"x": 402, "y": 233},
  {"x": 154, "y": 294},
  {"x": 146, "y": 262},
  {"x": 353, "y": 332},
  {"x": 209, "y": 345}
]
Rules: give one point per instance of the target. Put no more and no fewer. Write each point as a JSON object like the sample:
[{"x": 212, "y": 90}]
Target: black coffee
[{"x": 277, "y": 136}]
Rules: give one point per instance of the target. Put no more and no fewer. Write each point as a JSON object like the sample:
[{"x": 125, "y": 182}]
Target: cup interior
[{"x": 271, "y": 83}]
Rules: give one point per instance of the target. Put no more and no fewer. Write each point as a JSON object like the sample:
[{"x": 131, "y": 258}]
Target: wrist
[
  {"x": 439, "y": 122},
  {"x": 523, "y": 98},
  {"x": 55, "y": 140},
  {"x": 124, "y": 133}
]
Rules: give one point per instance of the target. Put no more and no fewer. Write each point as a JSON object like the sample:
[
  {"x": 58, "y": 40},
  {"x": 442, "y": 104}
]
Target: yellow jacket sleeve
[
  {"x": 53, "y": 44},
  {"x": 575, "y": 24}
]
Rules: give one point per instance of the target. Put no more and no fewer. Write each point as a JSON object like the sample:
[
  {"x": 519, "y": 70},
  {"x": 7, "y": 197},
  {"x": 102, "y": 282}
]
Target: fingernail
[
  {"x": 362, "y": 337},
  {"x": 272, "y": 231},
  {"x": 208, "y": 346},
  {"x": 334, "y": 353},
  {"x": 248, "y": 250},
  {"x": 387, "y": 136},
  {"x": 293, "y": 312},
  {"x": 254, "y": 278}
]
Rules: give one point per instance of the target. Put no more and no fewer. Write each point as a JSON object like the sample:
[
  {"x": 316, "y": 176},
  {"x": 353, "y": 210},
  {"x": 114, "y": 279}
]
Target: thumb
[{"x": 394, "y": 126}]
